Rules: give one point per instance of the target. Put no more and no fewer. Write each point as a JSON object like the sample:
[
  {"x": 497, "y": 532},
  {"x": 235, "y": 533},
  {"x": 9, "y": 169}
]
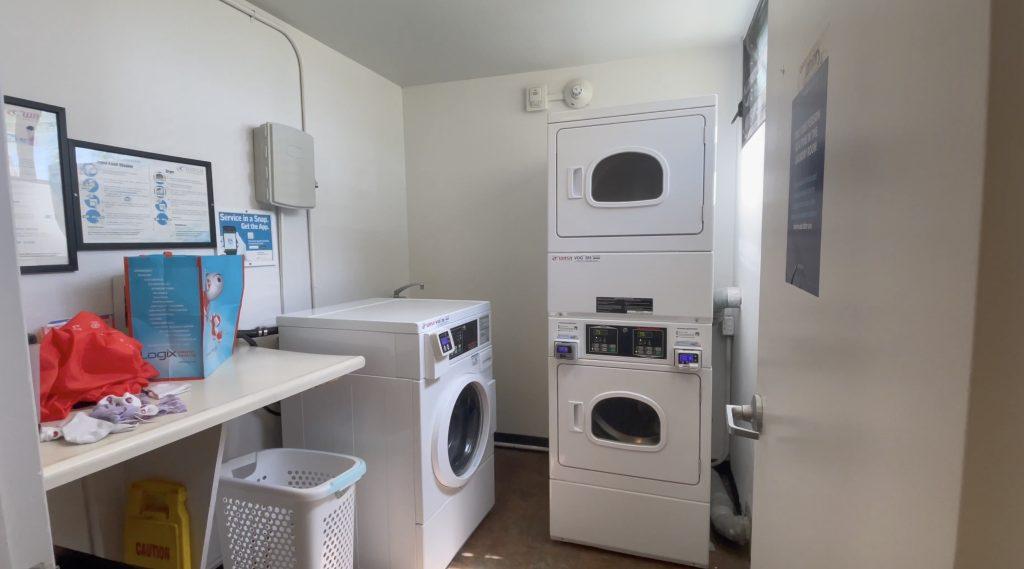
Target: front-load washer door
[
  {"x": 631, "y": 422},
  {"x": 638, "y": 178},
  {"x": 462, "y": 431}
]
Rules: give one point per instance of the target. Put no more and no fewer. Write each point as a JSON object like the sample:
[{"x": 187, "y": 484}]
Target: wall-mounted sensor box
[{"x": 284, "y": 166}]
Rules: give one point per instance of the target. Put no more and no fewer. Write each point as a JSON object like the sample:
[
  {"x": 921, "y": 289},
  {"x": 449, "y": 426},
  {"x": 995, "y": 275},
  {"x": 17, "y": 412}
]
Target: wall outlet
[{"x": 536, "y": 98}]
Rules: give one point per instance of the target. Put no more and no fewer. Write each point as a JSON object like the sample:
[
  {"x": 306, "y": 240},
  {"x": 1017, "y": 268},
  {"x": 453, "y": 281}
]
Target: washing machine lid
[{"x": 397, "y": 315}]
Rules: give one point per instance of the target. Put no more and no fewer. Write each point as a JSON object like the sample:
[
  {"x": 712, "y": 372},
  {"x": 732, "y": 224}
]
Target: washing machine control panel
[
  {"x": 465, "y": 337},
  {"x": 627, "y": 341},
  {"x": 457, "y": 340}
]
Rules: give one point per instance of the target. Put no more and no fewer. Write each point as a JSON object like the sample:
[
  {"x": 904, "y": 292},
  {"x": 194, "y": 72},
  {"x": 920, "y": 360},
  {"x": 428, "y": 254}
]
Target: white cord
[{"x": 302, "y": 114}]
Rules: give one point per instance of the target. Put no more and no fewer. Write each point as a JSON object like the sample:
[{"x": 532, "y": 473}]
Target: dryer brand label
[
  {"x": 687, "y": 333},
  {"x": 624, "y": 305},
  {"x": 575, "y": 258}
]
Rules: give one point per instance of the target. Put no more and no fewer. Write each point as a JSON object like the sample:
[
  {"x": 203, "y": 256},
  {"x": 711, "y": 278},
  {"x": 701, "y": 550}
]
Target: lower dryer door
[
  {"x": 462, "y": 430},
  {"x": 631, "y": 422}
]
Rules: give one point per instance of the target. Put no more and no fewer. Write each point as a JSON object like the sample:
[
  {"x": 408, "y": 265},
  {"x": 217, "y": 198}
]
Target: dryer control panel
[
  {"x": 626, "y": 341},
  {"x": 683, "y": 346}
]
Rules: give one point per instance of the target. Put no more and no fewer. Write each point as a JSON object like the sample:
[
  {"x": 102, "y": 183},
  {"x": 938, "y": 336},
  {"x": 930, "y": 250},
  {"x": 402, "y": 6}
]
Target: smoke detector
[{"x": 578, "y": 93}]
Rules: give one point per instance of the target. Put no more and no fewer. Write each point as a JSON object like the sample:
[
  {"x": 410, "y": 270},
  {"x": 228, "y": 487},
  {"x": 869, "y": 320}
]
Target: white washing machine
[
  {"x": 421, "y": 413},
  {"x": 629, "y": 422},
  {"x": 631, "y": 191}
]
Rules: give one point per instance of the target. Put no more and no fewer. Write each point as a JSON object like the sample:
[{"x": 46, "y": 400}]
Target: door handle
[
  {"x": 576, "y": 408},
  {"x": 753, "y": 414},
  {"x": 576, "y": 183}
]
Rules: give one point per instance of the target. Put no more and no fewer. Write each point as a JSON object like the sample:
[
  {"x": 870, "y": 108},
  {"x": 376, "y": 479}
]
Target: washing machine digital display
[{"x": 465, "y": 338}]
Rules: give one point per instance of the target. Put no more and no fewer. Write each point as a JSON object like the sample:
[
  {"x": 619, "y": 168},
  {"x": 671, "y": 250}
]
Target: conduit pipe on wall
[
  {"x": 727, "y": 305},
  {"x": 251, "y": 12}
]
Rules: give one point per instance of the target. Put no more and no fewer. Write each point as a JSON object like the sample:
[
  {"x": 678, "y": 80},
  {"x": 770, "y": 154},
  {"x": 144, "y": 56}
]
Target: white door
[
  {"x": 24, "y": 521},
  {"x": 866, "y": 386},
  {"x": 627, "y": 421},
  {"x": 636, "y": 178}
]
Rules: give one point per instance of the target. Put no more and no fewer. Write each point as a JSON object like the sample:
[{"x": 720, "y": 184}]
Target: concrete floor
[{"x": 515, "y": 533}]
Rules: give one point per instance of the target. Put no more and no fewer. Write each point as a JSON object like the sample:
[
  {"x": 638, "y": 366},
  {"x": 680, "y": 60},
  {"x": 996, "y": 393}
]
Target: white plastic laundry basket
[{"x": 288, "y": 509}]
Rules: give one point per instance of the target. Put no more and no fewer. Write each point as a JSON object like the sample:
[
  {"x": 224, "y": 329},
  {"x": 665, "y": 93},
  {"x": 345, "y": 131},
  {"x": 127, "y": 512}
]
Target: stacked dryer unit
[{"x": 630, "y": 209}]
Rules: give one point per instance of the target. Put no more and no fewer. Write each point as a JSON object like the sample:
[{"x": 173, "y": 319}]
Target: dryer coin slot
[
  {"x": 566, "y": 349},
  {"x": 688, "y": 358}
]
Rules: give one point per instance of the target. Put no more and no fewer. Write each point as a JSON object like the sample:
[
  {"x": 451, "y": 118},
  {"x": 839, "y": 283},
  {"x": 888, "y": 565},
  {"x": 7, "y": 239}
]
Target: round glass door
[
  {"x": 627, "y": 178},
  {"x": 626, "y": 421},
  {"x": 464, "y": 429}
]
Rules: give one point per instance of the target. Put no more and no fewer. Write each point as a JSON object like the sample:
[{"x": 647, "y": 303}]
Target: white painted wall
[
  {"x": 191, "y": 78},
  {"x": 476, "y": 165},
  {"x": 749, "y": 204},
  {"x": 194, "y": 85}
]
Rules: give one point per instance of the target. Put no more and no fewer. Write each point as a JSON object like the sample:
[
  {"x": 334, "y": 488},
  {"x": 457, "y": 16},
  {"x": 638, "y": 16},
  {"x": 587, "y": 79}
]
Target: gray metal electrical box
[{"x": 284, "y": 166}]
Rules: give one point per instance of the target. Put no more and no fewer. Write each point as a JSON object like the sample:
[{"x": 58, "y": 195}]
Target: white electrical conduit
[
  {"x": 727, "y": 359},
  {"x": 727, "y": 302},
  {"x": 251, "y": 12}
]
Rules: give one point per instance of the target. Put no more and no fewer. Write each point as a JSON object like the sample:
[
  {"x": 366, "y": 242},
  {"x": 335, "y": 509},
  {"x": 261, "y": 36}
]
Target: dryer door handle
[
  {"x": 575, "y": 183},
  {"x": 576, "y": 412}
]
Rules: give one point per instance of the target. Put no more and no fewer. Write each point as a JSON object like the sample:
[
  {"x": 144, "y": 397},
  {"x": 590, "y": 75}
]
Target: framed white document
[
  {"x": 128, "y": 199},
  {"x": 41, "y": 190}
]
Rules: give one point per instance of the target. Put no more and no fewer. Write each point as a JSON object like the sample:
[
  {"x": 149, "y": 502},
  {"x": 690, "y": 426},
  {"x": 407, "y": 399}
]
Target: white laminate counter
[{"x": 254, "y": 377}]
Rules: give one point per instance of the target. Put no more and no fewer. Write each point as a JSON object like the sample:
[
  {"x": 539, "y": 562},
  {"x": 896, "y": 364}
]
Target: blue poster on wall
[
  {"x": 247, "y": 233},
  {"x": 807, "y": 183}
]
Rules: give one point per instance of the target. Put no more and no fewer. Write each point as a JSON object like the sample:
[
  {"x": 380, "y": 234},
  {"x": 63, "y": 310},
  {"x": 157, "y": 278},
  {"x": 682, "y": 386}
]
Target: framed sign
[
  {"x": 41, "y": 186},
  {"x": 127, "y": 199}
]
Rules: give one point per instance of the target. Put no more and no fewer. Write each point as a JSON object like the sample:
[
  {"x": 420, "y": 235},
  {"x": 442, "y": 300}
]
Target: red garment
[{"x": 85, "y": 360}]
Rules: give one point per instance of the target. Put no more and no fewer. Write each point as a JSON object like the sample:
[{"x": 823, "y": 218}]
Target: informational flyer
[
  {"x": 134, "y": 199},
  {"x": 807, "y": 183},
  {"x": 37, "y": 192},
  {"x": 249, "y": 233}
]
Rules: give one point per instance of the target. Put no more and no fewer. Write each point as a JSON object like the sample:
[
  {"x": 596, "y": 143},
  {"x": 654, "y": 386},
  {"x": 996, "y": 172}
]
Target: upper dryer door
[{"x": 641, "y": 178}]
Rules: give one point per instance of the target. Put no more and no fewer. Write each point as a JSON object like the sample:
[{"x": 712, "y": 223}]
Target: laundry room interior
[{"x": 397, "y": 284}]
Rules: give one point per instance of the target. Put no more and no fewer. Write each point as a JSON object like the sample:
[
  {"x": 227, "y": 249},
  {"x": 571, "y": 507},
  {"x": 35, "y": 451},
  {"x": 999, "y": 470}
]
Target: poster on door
[
  {"x": 249, "y": 233},
  {"x": 806, "y": 182}
]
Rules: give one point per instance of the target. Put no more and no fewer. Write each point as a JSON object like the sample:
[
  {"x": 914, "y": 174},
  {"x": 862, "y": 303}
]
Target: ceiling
[{"x": 414, "y": 42}]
